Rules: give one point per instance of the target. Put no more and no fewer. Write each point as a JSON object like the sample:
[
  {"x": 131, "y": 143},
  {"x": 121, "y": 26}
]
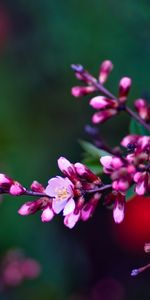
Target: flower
[
  {"x": 121, "y": 172},
  {"x": 139, "y": 157},
  {"x": 61, "y": 190}
]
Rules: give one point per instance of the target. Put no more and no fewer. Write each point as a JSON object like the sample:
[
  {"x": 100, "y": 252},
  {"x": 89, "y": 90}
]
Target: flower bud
[
  {"x": 16, "y": 189},
  {"x": 105, "y": 69},
  {"x": 79, "y": 91},
  {"x": 5, "y": 181},
  {"x": 118, "y": 211},
  {"x": 30, "y": 207},
  {"x": 101, "y": 102},
  {"x": 86, "y": 173},
  {"x": 124, "y": 87},
  {"x": 47, "y": 214},
  {"x": 37, "y": 187},
  {"x": 102, "y": 116}
]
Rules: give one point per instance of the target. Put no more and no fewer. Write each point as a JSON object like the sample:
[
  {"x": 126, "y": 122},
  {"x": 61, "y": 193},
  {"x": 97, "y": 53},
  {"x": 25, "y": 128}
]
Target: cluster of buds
[
  {"x": 133, "y": 169},
  {"x": 66, "y": 194},
  {"x": 16, "y": 267},
  {"x": 107, "y": 106},
  {"x": 8, "y": 185},
  {"x": 139, "y": 146}
]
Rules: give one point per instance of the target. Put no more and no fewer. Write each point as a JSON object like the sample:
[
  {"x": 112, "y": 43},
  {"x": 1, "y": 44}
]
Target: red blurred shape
[{"x": 134, "y": 231}]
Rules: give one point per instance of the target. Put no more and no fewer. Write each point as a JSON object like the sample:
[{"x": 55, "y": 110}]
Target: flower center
[{"x": 62, "y": 194}]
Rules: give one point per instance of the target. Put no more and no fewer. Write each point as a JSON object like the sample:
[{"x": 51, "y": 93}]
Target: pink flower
[
  {"x": 120, "y": 170},
  {"x": 61, "y": 190}
]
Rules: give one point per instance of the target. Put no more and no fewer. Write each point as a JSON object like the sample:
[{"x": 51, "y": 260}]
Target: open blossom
[{"x": 61, "y": 190}]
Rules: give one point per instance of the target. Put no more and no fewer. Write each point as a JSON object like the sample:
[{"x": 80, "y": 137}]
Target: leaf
[
  {"x": 91, "y": 157},
  {"x": 92, "y": 150},
  {"x": 93, "y": 164},
  {"x": 130, "y": 193},
  {"x": 137, "y": 128}
]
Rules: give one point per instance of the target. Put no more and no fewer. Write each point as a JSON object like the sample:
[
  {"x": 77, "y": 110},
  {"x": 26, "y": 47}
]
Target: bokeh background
[{"x": 40, "y": 120}]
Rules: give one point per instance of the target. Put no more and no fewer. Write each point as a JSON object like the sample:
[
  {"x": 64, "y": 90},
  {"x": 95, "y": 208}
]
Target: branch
[{"x": 89, "y": 78}]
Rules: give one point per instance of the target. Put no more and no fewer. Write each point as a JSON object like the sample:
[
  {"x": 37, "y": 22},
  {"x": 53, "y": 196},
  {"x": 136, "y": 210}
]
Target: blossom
[
  {"x": 121, "y": 172},
  {"x": 61, "y": 190},
  {"x": 140, "y": 159}
]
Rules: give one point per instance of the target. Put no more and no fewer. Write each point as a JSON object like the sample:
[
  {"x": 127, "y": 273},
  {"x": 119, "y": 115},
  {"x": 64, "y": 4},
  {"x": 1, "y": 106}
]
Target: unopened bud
[
  {"x": 47, "y": 214},
  {"x": 105, "y": 69},
  {"x": 124, "y": 88},
  {"x": 37, "y": 187},
  {"x": 16, "y": 189}
]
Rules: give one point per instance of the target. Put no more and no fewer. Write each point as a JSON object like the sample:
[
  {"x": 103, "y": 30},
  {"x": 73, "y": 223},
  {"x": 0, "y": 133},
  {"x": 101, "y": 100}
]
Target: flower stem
[
  {"x": 92, "y": 80},
  {"x": 136, "y": 117},
  {"x": 100, "y": 189}
]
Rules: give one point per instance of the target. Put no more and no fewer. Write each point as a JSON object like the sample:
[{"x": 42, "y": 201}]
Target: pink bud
[
  {"x": 16, "y": 189},
  {"x": 124, "y": 87},
  {"x": 142, "y": 108},
  {"x": 30, "y": 207},
  {"x": 118, "y": 212},
  {"x": 100, "y": 102},
  {"x": 89, "y": 208},
  {"x": 37, "y": 187},
  {"x": 66, "y": 167},
  {"x": 102, "y": 116},
  {"x": 47, "y": 214},
  {"x": 79, "y": 91},
  {"x": 5, "y": 181},
  {"x": 129, "y": 139},
  {"x": 86, "y": 173},
  {"x": 105, "y": 69},
  {"x": 71, "y": 219}
]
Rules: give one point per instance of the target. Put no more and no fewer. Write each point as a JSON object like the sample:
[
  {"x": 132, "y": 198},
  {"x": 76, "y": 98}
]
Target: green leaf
[
  {"x": 130, "y": 193},
  {"x": 92, "y": 150},
  {"x": 137, "y": 128},
  {"x": 91, "y": 157},
  {"x": 93, "y": 164}
]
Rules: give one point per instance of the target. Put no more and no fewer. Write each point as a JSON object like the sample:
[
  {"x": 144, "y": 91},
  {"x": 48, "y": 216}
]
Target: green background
[{"x": 40, "y": 121}]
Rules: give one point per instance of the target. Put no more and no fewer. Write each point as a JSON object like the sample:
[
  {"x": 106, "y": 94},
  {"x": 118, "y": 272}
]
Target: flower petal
[{"x": 69, "y": 207}]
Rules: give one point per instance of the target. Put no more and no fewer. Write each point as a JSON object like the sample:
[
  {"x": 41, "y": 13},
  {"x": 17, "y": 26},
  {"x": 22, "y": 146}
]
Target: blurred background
[{"x": 40, "y": 120}]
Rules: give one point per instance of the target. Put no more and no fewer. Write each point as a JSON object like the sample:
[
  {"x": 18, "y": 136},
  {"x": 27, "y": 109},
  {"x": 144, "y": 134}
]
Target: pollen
[{"x": 62, "y": 194}]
